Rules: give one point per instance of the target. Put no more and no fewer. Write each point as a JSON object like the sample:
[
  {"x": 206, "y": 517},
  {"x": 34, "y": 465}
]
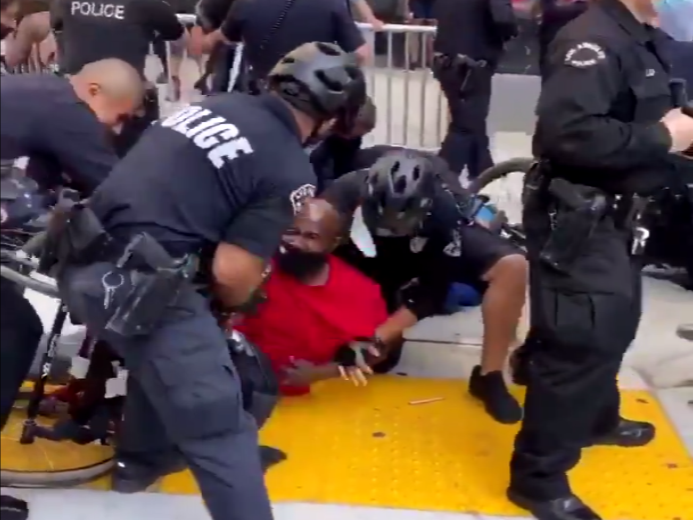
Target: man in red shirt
[{"x": 319, "y": 311}]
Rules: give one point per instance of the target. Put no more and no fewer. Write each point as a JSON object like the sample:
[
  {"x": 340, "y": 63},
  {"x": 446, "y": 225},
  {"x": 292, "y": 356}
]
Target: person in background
[
  {"x": 32, "y": 42},
  {"x": 316, "y": 306},
  {"x": 468, "y": 46}
]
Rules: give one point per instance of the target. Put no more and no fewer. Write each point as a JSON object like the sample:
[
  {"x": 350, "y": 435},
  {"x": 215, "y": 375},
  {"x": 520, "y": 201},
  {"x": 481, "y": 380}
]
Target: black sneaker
[
  {"x": 627, "y": 434},
  {"x": 491, "y": 390},
  {"x": 13, "y": 508},
  {"x": 133, "y": 477},
  {"x": 569, "y": 507}
]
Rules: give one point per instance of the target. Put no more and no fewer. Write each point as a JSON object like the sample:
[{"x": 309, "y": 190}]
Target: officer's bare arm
[
  {"x": 574, "y": 127},
  {"x": 32, "y": 30},
  {"x": 231, "y": 31},
  {"x": 237, "y": 274},
  {"x": 161, "y": 18}
]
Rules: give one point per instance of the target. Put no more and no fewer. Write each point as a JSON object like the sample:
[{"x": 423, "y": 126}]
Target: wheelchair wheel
[
  {"x": 48, "y": 463},
  {"x": 502, "y": 185}
]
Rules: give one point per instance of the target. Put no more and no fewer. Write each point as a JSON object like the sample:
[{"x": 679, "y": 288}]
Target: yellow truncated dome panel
[{"x": 370, "y": 446}]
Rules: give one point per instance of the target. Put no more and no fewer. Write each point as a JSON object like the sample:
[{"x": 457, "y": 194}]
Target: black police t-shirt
[
  {"x": 254, "y": 22},
  {"x": 228, "y": 169},
  {"x": 43, "y": 119},
  {"x": 431, "y": 254}
]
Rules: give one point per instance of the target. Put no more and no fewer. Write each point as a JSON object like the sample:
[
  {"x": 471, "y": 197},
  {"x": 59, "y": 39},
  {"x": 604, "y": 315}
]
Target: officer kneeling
[{"x": 213, "y": 185}]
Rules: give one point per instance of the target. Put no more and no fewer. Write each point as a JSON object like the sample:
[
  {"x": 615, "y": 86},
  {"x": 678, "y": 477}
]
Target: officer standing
[
  {"x": 468, "y": 46},
  {"x": 61, "y": 123},
  {"x": 269, "y": 29},
  {"x": 201, "y": 183},
  {"x": 553, "y": 15},
  {"x": 92, "y": 30},
  {"x": 605, "y": 135}
]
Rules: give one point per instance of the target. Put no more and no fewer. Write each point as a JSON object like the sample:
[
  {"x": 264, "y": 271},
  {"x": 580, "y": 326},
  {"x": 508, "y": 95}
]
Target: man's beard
[{"x": 300, "y": 264}]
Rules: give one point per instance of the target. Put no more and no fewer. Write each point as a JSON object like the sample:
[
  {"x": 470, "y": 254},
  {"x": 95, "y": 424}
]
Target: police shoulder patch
[
  {"x": 584, "y": 55},
  {"x": 299, "y": 196}
]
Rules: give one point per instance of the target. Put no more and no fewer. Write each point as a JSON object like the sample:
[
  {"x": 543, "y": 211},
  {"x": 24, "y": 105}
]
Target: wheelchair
[{"x": 81, "y": 416}]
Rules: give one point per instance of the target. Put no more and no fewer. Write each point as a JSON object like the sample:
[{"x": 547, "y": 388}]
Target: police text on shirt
[
  {"x": 214, "y": 134},
  {"x": 98, "y": 10}
]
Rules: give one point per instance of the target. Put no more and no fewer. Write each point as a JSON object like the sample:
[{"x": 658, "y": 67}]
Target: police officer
[
  {"x": 92, "y": 30},
  {"x": 419, "y": 225},
  {"x": 203, "y": 181},
  {"x": 60, "y": 123},
  {"x": 605, "y": 133},
  {"x": 468, "y": 47},
  {"x": 269, "y": 29}
]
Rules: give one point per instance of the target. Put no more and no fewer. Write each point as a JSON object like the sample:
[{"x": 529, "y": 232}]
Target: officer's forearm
[{"x": 394, "y": 327}]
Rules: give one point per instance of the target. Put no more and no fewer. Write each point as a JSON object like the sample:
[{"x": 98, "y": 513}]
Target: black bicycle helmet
[
  {"x": 399, "y": 192},
  {"x": 319, "y": 79}
]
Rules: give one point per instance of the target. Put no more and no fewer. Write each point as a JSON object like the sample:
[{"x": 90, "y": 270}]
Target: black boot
[
  {"x": 493, "y": 392},
  {"x": 627, "y": 434},
  {"x": 13, "y": 508},
  {"x": 565, "y": 508},
  {"x": 135, "y": 477}
]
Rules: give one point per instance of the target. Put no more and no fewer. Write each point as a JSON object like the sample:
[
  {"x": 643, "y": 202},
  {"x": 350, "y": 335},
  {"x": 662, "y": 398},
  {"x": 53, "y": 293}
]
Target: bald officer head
[{"x": 112, "y": 88}]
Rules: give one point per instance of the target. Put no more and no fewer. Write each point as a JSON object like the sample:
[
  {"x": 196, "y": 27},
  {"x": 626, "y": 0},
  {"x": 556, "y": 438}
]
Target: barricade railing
[{"x": 411, "y": 111}]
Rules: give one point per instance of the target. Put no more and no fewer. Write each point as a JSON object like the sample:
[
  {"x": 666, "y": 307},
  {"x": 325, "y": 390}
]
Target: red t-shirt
[{"x": 309, "y": 323}]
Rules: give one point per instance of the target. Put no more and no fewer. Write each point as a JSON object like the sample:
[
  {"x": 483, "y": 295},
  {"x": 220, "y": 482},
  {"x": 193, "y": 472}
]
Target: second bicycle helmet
[{"x": 399, "y": 192}]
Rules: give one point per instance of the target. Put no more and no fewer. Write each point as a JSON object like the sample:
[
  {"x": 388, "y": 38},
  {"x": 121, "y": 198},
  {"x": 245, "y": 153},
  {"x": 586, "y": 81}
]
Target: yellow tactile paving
[
  {"x": 369, "y": 446},
  {"x": 44, "y": 455}
]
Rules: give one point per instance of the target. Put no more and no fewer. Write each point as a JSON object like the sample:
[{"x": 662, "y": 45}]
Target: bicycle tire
[
  {"x": 50, "y": 479},
  {"x": 500, "y": 170}
]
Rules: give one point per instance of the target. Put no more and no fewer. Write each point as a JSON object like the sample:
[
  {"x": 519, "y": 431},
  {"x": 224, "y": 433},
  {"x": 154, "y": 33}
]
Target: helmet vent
[
  {"x": 416, "y": 174},
  {"x": 400, "y": 185},
  {"x": 329, "y": 49}
]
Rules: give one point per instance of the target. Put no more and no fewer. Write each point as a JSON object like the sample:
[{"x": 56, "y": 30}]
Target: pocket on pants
[{"x": 201, "y": 393}]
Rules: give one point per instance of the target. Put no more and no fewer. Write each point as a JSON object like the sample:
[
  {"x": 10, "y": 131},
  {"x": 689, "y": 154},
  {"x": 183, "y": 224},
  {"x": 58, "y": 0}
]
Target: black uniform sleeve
[
  {"x": 57, "y": 11},
  {"x": 503, "y": 16},
  {"x": 79, "y": 143},
  {"x": 232, "y": 28},
  {"x": 345, "y": 193},
  {"x": 274, "y": 201},
  {"x": 160, "y": 17},
  {"x": 584, "y": 79},
  {"x": 346, "y": 34}
]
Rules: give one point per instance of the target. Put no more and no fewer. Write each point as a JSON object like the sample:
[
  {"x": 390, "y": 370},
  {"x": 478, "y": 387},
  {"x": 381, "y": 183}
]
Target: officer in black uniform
[
  {"x": 203, "y": 183},
  {"x": 468, "y": 46},
  {"x": 269, "y": 29},
  {"x": 605, "y": 133},
  {"x": 210, "y": 17},
  {"x": 92, "y": 30},
  {"x": 61, "y": 123},
  {"x": 422, "y": 226}
]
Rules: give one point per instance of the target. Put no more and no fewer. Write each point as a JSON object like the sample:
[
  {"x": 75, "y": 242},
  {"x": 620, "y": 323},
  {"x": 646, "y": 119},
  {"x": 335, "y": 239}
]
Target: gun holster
[
  {"x": 575, "y": 211},
  {"x": 156, "y": 281}
]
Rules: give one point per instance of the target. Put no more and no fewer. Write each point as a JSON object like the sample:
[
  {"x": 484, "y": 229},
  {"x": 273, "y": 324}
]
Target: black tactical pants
[
  {"x": 585, "y": 320},
  {"x": 184, "y": 394},
  {"x": 466, "y": 143}
]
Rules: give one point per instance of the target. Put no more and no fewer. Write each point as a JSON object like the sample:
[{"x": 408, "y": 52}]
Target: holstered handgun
[{"x": 577, "y": 211}]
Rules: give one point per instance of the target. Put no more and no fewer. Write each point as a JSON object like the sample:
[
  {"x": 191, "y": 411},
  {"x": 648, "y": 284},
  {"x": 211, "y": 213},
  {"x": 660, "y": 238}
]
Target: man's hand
[
  {"x": 680, "y": 128},
  {"x": 352, "y": 363},
  {"x": 304, "y": 373}
]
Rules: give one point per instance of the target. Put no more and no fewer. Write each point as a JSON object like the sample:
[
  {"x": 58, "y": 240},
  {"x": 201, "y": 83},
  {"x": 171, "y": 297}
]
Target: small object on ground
[
  {"x": 685, "y": 331},
  {"x": 270, "y": 456},
  {"x": 425, "y": 401}
]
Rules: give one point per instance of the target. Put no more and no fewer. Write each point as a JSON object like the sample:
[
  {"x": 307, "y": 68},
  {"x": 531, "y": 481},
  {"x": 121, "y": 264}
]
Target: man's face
[
  {"x": 307, "y": 244},
  {"x": 111, "y": 110}
]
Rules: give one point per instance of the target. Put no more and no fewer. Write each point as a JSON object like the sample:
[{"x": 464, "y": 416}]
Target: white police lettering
[
  {"x": 584, "y": 55},
  {"x": 211, "y": 132},
  {"x": 299, "y": 196},
  {"x": 98, "y": 10}
]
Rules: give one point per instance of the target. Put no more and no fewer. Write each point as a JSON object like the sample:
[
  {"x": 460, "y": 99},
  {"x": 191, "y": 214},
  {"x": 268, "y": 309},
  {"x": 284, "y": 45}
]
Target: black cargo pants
[
  {"x": 466, "y": 143},
  {"x": 585, "y": 321},
  {"x": 184, "y": 393}
]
